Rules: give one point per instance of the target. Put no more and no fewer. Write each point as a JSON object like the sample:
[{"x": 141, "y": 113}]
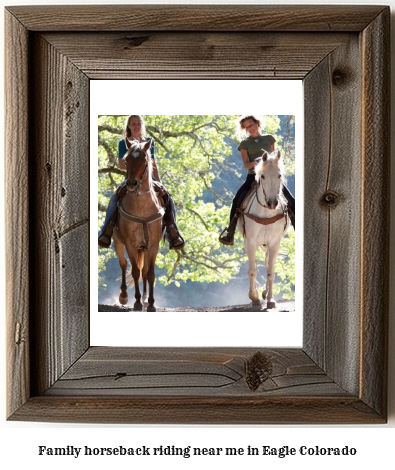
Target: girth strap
[
  {"x": 269, "y": 221},
  {"x": 142, "y": 220}
]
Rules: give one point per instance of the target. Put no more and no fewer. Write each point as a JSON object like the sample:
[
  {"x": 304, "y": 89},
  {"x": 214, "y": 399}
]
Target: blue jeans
[{"x": 112, "y": 206}]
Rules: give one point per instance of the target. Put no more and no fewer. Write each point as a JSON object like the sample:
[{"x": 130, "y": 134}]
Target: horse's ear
[
  {"x": 278, "y": 155},
  {"x": 147, "y": 145},
  {"x": 264, "y": 155}
]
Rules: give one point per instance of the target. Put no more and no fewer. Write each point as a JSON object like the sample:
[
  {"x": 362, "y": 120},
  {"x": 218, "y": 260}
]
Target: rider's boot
[
  {"x": 175, "y": 239},
  {"x": 105, "y": 238},
  {"x": 172, "y": 234},
  {"x": 230, "y": 232}
]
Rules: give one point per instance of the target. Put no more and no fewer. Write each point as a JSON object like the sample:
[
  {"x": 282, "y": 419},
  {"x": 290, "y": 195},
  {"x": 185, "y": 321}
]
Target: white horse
[{"x": 263, "y": 221}]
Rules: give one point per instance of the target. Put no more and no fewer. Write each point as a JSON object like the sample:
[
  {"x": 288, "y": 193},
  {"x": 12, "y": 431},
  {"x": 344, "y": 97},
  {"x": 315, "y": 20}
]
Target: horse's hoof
[
  {"x": 123, "y": 300},
  {"x": 271, "y": 304},
  {"x": 151, "y": 309},
  {"x": 138, "y": 307},
  {"x": 256, "y": 303},
  {"x": 264, "y": 295}
]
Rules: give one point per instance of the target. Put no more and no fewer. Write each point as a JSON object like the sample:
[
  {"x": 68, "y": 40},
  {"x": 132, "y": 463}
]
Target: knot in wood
[
  {"x": 135, "y": 41},
  {"x": 259, "y": 369},
  {"x": 339, "y": 77},
  {"x": 330, "y": 199}
]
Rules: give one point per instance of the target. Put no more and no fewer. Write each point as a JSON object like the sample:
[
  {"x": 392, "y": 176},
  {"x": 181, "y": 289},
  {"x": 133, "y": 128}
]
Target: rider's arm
[
  {"x": 247, "y": 164},
  {"x": 121, "y": 153}
]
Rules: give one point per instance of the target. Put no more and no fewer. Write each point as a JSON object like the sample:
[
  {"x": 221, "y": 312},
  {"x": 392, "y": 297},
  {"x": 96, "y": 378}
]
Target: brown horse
[{"x": 139, "y": 227}]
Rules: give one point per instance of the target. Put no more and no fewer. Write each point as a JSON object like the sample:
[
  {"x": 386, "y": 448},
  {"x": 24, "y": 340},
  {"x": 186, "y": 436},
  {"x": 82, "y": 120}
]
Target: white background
[
  {"x": 19, "y": 441},
  {"x": 272, "y": 329}
]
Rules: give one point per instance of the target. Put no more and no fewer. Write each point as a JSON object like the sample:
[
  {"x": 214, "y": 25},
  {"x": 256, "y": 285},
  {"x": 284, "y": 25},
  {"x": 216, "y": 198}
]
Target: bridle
[
  {"x": 133, "y": 186},
  {"x": 266, "y": 206}
]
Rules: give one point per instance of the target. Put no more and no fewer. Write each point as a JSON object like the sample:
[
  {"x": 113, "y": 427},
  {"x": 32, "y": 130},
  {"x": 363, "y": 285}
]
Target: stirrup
[
  {"x": 175, "y": 239},
  {"x": 227, "y": 239},
  {"x": 104, "y": 241},
  {"x": 177, "y": 247}
]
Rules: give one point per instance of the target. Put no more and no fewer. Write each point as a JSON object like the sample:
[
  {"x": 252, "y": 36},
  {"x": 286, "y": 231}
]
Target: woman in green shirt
[{"x": 251, "y": 149}]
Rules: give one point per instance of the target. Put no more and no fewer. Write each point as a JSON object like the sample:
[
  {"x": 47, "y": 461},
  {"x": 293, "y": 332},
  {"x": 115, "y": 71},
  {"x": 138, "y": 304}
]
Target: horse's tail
[
  {"x": 263, "y": 247},
  {"x": 140, "y": 260},
  {"x": 140, "y": 265}
]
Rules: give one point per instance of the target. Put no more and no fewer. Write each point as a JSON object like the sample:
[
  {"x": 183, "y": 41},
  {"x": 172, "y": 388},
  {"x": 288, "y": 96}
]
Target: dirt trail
[{"x": 282, "y": 306}]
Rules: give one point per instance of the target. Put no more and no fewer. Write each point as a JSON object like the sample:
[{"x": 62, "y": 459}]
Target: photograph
[
  {"x": 200, "y": 206},
  {"x": 199, "y": 175}
]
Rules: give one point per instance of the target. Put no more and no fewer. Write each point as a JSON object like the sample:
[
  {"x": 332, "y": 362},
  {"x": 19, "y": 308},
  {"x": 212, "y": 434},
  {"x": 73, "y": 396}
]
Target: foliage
[{"x": 197, "y": 159}]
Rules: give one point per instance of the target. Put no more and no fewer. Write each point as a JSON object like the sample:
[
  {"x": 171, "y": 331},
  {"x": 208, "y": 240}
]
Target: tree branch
[
  {"x": 107, "y": 148},
  {"x": 112, "y": 130},
  {"x": 111, "y": 169},
  {"x": 175, "y": 266},
  {"x": 198, "y": 216}
]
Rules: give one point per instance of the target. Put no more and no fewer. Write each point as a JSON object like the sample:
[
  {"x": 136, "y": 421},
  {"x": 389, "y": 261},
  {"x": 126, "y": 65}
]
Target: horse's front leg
[
  {"x": 271, "y": 257},
  {"x": 120, "y": 251},
  {"x": 138, "y": 306},
  {"x": 145, "y": 293},
  {"x": 253, "y": 292},
  {"x": 149, "y": 275},
  {"x": 151, "y": 282}
]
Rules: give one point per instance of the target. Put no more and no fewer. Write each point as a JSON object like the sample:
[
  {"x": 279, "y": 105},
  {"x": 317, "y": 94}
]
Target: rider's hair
[
  {"x": 128, "y": 132},
  {"x": 255, "y": 118}
]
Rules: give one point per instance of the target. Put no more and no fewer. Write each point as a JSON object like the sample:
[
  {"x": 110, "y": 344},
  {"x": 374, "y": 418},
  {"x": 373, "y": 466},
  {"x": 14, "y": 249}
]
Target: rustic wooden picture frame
[{"x": 340, "y": 374}]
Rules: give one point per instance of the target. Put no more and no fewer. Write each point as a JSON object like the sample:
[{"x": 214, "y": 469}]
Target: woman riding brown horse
[
  {"x": 139, "y": 228},
  {"x": 135, "y": 131}
]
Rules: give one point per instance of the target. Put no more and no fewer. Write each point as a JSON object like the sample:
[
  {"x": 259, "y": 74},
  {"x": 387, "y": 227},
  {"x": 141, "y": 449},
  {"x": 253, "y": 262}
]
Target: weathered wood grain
[
  {"x": 60, "y": 247},
  {"x": 198, "y": 410},
  {"x": 375, "y": 212},
  {"x": 332, "y": 195},
  {"x": 180, "y": 385},
  {"x": 191, "y": 55},
  {"x": 339, "y": 376},
  {"x": 196, "y": 17},
  {"x": 17, "y": 212},
  {"x": 188, "y": 372}
]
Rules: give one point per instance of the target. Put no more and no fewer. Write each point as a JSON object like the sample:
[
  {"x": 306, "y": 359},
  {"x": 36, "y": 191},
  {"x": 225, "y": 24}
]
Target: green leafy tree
[{"x": 195, "y": 156}]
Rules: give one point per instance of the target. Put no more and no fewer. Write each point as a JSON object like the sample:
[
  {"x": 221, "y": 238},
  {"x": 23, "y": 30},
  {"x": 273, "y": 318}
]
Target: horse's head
[
  {"x": 269, "y": 174},
  {"x": 138, "y": 164}
]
